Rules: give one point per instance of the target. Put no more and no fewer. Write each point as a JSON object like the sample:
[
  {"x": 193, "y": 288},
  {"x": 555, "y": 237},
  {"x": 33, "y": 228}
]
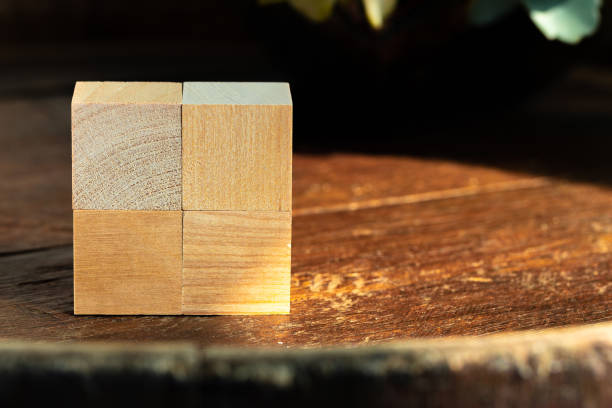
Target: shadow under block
[
  {"x": 236, "y": 262},
  {"x": 127, "y": 262},
  {"x": 237, "y": 146},
  {"x": 126, "y": 146}
]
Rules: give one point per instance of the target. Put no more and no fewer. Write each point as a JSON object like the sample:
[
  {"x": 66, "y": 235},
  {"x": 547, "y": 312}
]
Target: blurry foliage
[
  {"x": 378, "y": 10},
  {"x": 564, "y": 20},
  {"x": 568, "y": 21},
  {"x": 316, "y": 10},
  {"x": 319, "y": 10}
]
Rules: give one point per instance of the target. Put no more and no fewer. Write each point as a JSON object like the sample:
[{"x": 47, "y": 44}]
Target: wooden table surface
[{"x": 384, "y": 248}]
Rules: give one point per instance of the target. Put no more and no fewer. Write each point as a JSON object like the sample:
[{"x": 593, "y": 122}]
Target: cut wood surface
[
  {"x": 126, "y": 146},
  {"x": 439, "y": 248},
  {"x": 236, "y": 262},
  {"x": 236, "y": 155},
  {"x": 236, "y": 93},
  {"x": 127, "y": 262},
  {"x": 166, "y": 93}
]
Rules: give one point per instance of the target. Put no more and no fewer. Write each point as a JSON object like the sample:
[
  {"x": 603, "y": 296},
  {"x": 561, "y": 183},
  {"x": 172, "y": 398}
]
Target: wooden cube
[
  {"x": 126, "y": 146},
  {"x": 237, "y": 146},
  {"x": 127, "y": 262},
  {"x": 181, "y": 213},
  {"x": 236, "y": 262}
]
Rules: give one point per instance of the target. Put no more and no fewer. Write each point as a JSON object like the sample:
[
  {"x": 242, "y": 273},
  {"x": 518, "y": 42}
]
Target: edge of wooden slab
[{"x": 562, "y": 367}]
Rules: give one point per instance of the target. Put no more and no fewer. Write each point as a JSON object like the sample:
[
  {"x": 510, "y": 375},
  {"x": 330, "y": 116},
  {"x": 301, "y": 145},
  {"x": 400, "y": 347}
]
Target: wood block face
[
  {"x": 236, "y": 262},
  {"x": 165, "y": 93},
  {"x": 182, "y": 205},
  {"x": 237, "y": 146},
  {"x": 127, "y": 262},
  {"x": 126, "y": 146}
]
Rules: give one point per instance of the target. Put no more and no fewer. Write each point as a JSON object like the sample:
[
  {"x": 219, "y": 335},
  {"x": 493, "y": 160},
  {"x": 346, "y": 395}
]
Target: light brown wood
[
  {"x": 127, "y": 262},
  {"x": 167, "y": 93},
  {"x": 236, "y": 262},
  {"x": 236, "y": 152},
  {"x": 126, "y": 146}
]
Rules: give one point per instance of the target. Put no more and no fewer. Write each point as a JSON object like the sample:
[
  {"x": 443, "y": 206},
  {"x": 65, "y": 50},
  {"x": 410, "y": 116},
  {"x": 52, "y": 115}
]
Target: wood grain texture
[
  {"x": 348, "y": 181},
  {"x": 166, "y": 93},
  {"x": 487, "y": 263},
  {"x": 127, "y": 262},
  {"x": 35, "y": 186},
  {"x": 126, "y": 146},
  {"x": 236, "y": 262},
  {"x": 386, "y": 248},
  {"x": 510, "y": 253},
  {"x": 237, "y": 157}
]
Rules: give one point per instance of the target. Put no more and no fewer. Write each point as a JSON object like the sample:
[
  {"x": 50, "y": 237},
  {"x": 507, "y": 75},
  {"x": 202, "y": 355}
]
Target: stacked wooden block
[{"x": 181, "y": 198}]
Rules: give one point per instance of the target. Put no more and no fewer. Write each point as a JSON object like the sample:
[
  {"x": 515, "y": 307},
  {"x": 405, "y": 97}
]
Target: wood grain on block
[
  {"x": 126, "y": 146},
  {"x": 166, "y": 93},
  {"x": 127, "y": 262},
  {"x": 236, "y": 262},
  {"x": 237, "y": 146}
]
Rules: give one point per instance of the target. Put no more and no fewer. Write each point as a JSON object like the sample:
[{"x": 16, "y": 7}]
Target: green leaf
[
  {"x": 565, "y": 20},
  {"x": 378, "y": 10},
  {"x": 316, "y": 10},
  {"x": 483, "y": 12}
]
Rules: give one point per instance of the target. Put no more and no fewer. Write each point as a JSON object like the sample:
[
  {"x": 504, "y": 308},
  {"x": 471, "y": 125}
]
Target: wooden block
[
  {"x": 127, "y": 262},
  {"x": 237, "y": 146},
  {"x": 236, "y": 262},
  {"x": 126, "y": 146}
]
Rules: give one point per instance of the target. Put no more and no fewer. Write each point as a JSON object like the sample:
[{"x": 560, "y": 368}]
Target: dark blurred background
[{"x": 427, "y": 84}]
